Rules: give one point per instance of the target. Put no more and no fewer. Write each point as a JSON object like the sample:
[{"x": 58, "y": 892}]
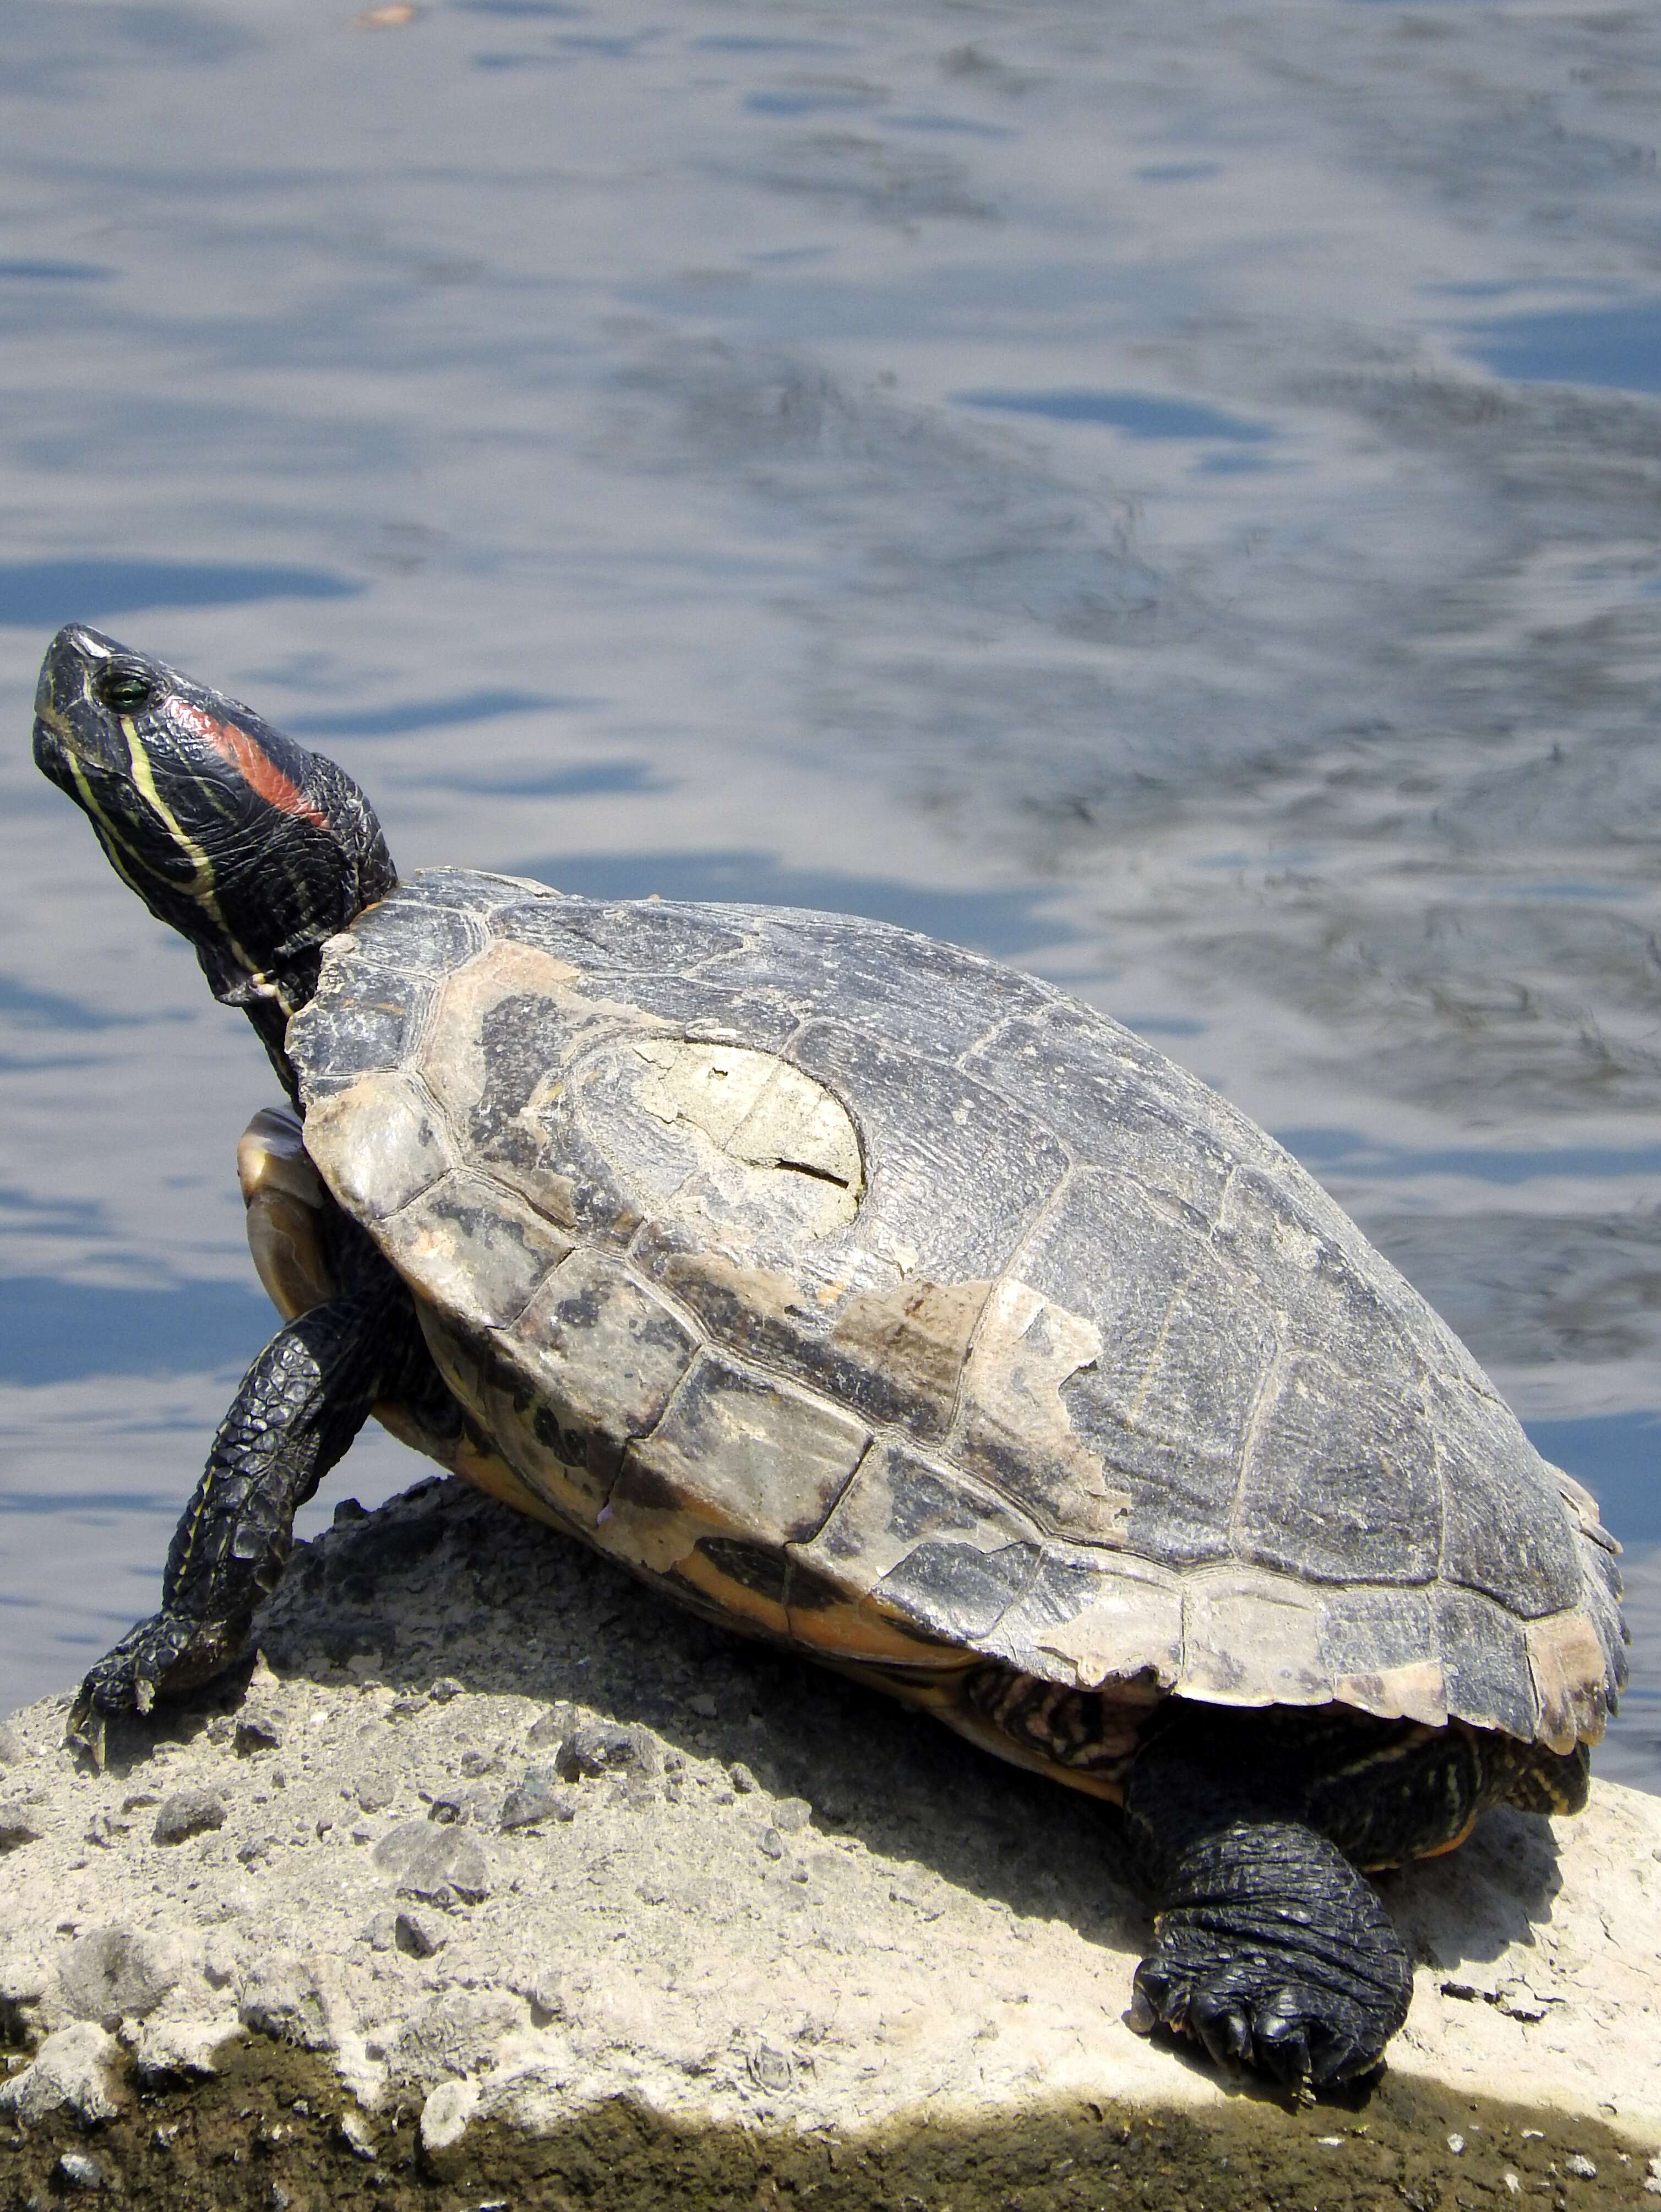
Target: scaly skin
[{"x": 297, "y": 1410}]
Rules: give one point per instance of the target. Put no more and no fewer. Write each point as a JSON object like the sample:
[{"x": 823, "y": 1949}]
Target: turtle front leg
[
  {"x": 1270, "y": 1949},
  {"x": 296, "y": 1411}
]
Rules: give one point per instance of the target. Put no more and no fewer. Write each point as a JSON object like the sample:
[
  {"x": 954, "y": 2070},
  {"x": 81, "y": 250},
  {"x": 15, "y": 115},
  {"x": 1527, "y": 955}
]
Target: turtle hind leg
[
  {"x": 1271, "y": 1947},
  {"x": 1273, "y": 1952},
  {"x": 296, "y": 1411}
]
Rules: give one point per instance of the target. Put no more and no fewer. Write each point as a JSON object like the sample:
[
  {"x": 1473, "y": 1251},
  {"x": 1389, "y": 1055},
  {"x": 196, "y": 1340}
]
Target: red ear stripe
[{"x": 255, "y": 764}]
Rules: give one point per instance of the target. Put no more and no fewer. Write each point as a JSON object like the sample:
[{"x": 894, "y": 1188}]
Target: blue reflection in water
[
  {"x": 582, "y": 780},
  {"x": 1137, "y": 414},
  {"x": 1004, "y": 922},
  {"x": 429, "y": 715},
  {"x": 57, "y": 1009},
  {"x": 826, "y": 102},
  {"x": 1619, "y": 347},
  {"x": 1326, "y": 1151},
  {"x": 54, "y": 272},
  {"x": 44, "y": 594},
  {"x": 57, "y": 1332}
]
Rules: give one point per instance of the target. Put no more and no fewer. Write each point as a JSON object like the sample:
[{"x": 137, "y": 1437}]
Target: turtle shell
[{"x": 890, "y": 1302}]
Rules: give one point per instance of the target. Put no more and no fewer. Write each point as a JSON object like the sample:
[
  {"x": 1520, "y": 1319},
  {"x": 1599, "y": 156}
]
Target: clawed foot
[
  {"x": 1253, "y": 2011},
  {"x": 162, "y": 1655}
]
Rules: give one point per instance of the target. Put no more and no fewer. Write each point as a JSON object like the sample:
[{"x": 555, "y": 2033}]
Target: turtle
[{"x": 873, "y": 1298}]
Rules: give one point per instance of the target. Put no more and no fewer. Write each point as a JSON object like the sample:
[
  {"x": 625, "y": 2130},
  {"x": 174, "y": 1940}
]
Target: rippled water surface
[{"x": 1170, "y": 497}]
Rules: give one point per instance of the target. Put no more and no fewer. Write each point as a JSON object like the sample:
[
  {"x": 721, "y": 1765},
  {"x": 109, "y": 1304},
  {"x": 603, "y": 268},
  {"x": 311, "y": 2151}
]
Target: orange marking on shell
[{"x": 258, "y": 770}]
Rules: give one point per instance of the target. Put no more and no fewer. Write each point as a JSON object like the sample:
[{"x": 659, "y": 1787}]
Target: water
[{"x": 1168, "y": 498}]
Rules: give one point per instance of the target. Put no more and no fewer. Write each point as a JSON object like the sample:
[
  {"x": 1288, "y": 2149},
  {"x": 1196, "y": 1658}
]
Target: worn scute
[{"x": 880, "y": 1299}]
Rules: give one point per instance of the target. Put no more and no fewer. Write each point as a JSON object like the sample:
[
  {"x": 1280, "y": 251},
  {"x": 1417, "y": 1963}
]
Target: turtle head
[{"x": 253, "y": 848}]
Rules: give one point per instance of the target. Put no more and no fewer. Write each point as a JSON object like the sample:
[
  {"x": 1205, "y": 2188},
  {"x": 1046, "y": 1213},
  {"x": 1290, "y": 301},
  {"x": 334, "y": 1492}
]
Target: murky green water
[{"x": 1171, "y": 498}]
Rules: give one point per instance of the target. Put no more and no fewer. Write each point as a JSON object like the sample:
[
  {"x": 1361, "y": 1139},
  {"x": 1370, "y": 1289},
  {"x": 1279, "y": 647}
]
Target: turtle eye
[{"x": 123, "y": 686}]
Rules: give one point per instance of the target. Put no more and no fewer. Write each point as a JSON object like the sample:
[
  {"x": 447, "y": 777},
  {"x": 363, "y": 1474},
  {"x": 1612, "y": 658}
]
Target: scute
[{"x": 878, "y": 1298}]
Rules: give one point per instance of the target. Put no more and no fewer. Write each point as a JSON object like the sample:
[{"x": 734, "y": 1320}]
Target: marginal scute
[
  {"x": 477, "y": 1253},
  {"x": 1251, "y": 1638},
  {"x": 1377, "y": 1646},
  {"x": 1566, "y": 1659},
  {"x": 378, "y": 1144},
  {"x": 1484, "y": 1657},
  {"x": 747, "y": 1454},
  {"x": 898, "y": 1499},
  {"x": 1092, "y": 1620},
  {"x": 600, "y": 1349}
]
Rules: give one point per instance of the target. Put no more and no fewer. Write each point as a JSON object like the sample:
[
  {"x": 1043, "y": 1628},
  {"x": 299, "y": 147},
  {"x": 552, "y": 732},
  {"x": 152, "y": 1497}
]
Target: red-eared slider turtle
[{"x": 867, "y": 1296}]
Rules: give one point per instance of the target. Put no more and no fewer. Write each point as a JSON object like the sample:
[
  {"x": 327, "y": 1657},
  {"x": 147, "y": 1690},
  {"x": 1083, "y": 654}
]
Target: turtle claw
[
  {"x": 1306, "y": 2039},
  {"x": 162, "y": 1655}
]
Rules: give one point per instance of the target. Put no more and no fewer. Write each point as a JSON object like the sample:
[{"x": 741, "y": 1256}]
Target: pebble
[
  {"x": 11, "y": 1745},
  {"x": 253, "y": 1733},
  {"x": 741, "y": 1778},
  {"x": 588, "y": 1751},
  {"x": 76, "y": 2170},
  {"x": 1580, "y": 2166},
  {"x": 433, "y": 1861},
  {"x": 539, "y": 1796},
  {"x": 188, "y": 1813},
  {"x": 769, "y": 2068},
  {"x": 17, "y": 1828},
  {"x": 356, "y": 2136},
  {"x": 284, "y": 1997},
  {"x": 404, "y": 1931}
]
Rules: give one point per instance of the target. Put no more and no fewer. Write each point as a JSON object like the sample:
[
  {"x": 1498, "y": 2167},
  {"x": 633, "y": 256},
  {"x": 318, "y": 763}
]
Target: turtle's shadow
[{"x": 444, "y": 1583}]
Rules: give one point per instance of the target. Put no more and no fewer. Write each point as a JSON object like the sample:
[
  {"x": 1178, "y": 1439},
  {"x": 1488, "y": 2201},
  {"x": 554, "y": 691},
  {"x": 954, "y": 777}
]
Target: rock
[
  {"x": 432, "y": 1861},
  {"x": 77, "y": 2169},
  {"x": 11, "y": 1745},
  {"x": 444, "y": 2119},
  {"x": 173, "y": 2050},
  {"x": 255, "y": 1732},
  {"x": 539, "y": 1796},
  {"x": 404, "y": 1931},
  {"x": 18, "y": 1826},
  {"x": 553, "y": 1727},
  {"x": 70, "y": 2071},
  {"x": 113, "y": 1974},
  {"x": 948, "y": 1941},
  {"x": 354, "y": 2134},
  {"x": 588, "y": 1751},
  {"x": 188, "y": 1813},
  {"x": 288, "y": 1998}
]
